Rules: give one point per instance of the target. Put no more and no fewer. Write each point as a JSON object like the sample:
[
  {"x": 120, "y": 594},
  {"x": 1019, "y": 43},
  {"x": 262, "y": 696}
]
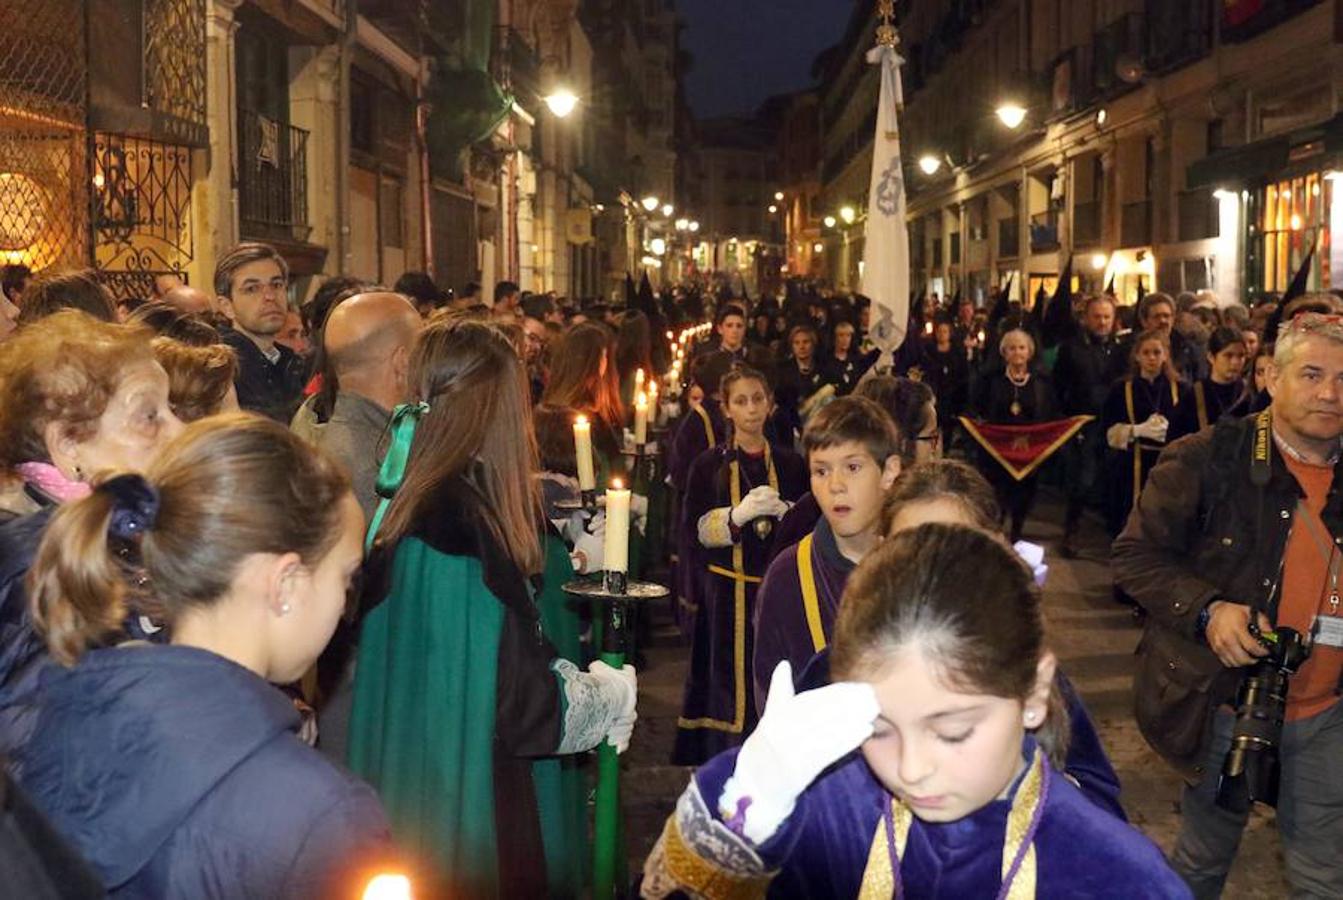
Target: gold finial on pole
[{"x": 886, "y": 30}]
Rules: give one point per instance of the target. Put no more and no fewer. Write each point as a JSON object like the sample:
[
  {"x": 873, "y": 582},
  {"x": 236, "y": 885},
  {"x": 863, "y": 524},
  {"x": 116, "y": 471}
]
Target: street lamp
[
  {"x": 561, "y": 102},
  {"x": 694, "y": 226},
  {"x": 658, "y": 246},
  {"x": 650, "y": 202},
  {"x": 668, "y": 209},
  {"x": 682, "y": 224},
  {"x": 773, "y": 209},
  {"x": 1011, "y": 114},
  {"x": 1098, "y": 261},
  {"x": 778, "y": 195},
  {"x": 829, "y": 221},
  {"x": 929, "y": 164},
  {"x": 848, "y": 214}
]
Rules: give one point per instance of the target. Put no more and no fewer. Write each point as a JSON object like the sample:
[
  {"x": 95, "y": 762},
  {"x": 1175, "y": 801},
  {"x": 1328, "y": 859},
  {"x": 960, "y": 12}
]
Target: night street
[{"x": 1094, "y": 638}]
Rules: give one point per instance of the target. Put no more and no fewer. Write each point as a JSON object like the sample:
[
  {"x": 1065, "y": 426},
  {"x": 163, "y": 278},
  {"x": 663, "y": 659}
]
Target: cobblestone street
[{"x": 1094, "y": 638}]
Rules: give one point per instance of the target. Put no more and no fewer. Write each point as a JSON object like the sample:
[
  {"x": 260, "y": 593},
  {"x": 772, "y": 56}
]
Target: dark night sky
[{"x": 747, "y": 50}]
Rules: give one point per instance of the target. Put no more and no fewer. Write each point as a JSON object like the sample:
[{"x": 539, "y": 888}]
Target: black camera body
[{"x": 1252, "y": 766}]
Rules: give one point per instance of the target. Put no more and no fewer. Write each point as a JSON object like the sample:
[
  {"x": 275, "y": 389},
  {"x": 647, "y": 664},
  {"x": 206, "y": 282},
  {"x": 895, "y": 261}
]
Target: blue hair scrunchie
[{"x": 135, "y": 506}]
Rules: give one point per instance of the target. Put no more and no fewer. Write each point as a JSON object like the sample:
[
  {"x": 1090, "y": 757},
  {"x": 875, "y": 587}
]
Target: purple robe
[
  {"x": 718, "y": 710},
  {"x": 796, "y": 524},
  {"x": 821, "y": 850},
  {"x": 689, "y": 439},
  {"x": 781, "y": 629}
]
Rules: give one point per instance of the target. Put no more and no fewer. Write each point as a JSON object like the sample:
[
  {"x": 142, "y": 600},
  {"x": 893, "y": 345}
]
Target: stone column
[{"x": 214, "y": 197}]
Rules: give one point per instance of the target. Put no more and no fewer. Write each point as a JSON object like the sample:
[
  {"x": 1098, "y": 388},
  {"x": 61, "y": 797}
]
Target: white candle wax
[
  {"x": 641, "y": 418},
  {"x": 638, "y": 381},
  {"x": 587, "y": 479},
  {"x": 617, "y": 548}
]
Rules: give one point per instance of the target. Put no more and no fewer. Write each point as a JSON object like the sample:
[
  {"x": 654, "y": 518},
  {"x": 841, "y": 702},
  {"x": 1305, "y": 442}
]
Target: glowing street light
[
  {"x": 848, "y": 214},
  {"x": 829, "y": 221},
  {"x": 1098, "y": 261},
  {"x": 694, "y": 226},
  {"x": 773, "y": 209},
  {"x": 929, "y": 164},
  {"x": 818, "y": 248},
  {"x": 1011, "y": 114},
  {"x": 658, "y": 246},
  {"x": 650, "y": 202},
  {"x": 682, "y": 224},
  {"x": 668, "y": 209},
  {"x": 562, "y": 102},
  {"x": 778, "y": 195}
]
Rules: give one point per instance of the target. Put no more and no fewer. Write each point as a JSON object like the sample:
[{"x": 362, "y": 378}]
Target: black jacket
[
  {"x": 1203, "y": 530},
  {"x": 23, "y": 653},
  {"x": 1084, "y": 371},
  {"x": 177, "y": 773},
  {"x": 274, "y": 389}
]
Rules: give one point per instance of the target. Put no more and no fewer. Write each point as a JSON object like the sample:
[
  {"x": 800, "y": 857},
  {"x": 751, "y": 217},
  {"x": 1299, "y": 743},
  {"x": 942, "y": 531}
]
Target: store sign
[{"x": 1305, "y": 151}]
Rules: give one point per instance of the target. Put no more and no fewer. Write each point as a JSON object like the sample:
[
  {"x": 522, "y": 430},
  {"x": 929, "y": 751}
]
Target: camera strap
[{"x": 1320, "y": 538}]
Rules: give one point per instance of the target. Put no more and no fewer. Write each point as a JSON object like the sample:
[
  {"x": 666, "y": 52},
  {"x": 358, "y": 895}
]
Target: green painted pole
[{"x": 608, "y": 858}]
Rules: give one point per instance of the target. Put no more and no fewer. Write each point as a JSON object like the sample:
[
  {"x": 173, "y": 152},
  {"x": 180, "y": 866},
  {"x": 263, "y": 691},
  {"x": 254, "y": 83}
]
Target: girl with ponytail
[{"x": 175, "y": 769}]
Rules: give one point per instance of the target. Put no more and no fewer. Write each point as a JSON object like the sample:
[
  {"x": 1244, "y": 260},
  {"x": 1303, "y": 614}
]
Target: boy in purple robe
[
  {"x": 929, "y": 769},
  {"x": 852, "y": 450}
]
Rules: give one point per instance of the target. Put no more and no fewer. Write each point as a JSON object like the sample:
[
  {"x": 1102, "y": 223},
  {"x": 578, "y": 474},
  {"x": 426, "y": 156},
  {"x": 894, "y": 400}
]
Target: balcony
[
  {"x": 1009, "y": 240},
  {"x": 1045, "y": 231},
  {"x": 1200, "y": 215},
  {"x": 272, "y": 178},
  {"x": 1135, "y": 229},
  {"x": 1086, "y": 223}
]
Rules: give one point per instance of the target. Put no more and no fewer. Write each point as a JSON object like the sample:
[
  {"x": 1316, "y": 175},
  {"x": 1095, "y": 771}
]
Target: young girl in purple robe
[{"x": 927, "y": 770}]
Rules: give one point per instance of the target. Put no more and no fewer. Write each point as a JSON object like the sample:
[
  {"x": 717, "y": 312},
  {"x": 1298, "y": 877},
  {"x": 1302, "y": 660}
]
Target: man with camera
[{"x": 1235, "y": 550}]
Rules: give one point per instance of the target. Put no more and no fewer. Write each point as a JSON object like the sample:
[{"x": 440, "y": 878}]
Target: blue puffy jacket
[
  {"x": 177, "y": 773},
  {"x": 23, "y": 654}
]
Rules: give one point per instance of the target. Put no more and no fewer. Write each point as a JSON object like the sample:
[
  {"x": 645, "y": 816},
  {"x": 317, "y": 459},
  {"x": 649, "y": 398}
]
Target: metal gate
[{"x": 44, "y": 167}]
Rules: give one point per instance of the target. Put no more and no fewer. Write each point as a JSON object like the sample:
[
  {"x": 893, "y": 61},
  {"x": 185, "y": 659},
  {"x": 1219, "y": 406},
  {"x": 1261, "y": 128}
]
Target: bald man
[
  {"x": 188, "y": 299},
  {"x": 367, "y": 341}
]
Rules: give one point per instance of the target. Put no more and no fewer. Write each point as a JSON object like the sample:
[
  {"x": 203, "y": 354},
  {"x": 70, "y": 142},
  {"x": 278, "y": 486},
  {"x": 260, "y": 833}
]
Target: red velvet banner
[{"x": 1021, "y": 449}]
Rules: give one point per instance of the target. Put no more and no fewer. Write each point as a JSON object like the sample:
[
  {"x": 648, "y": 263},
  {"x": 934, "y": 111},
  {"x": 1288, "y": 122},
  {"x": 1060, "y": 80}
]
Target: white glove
[
  {"x": 624, "y": 685},
  {"x": 589, "y": 553},
  {"x": 1153, "y": 429},
  {"x": 761, "y": 501},
  {"x": 1033, "y": 555},
  {"x": 797, "y": 738}
]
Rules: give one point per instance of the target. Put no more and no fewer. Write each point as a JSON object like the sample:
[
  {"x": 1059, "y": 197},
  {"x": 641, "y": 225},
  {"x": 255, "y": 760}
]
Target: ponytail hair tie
[{"x": 135, "y": 506}]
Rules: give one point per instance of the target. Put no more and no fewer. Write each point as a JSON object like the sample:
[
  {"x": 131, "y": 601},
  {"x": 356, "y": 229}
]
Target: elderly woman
[
  {"x": 77, "y": 397},
  {"x": 1017, "y": 395}
]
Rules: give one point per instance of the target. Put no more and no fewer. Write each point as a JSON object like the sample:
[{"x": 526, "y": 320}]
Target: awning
[{"x": 1268, "y": 159}]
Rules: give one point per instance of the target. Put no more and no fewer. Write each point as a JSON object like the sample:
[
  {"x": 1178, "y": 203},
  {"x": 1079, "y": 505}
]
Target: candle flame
[
  {"x": 641, "y": 399},
  {"x": 581, "y": 420},
  {"x": 617, "y": 484}
]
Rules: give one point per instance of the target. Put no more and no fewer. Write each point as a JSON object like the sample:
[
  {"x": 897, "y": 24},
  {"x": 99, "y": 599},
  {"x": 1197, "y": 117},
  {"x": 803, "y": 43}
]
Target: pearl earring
[
  {"x": 284, "y": 609},
  {"x": 1030, "y": 718}
]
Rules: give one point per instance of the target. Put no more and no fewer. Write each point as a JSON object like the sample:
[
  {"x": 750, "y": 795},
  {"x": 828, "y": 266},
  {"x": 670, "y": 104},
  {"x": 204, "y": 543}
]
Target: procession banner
[
  {"x": 1021, "y": 449},
  {"x": 885, "y": 276}
]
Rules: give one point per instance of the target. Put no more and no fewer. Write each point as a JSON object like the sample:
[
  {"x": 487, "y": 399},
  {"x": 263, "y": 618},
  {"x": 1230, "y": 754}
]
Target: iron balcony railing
[
  {"x": 272, "y": 178},
  {"x": 1045, "y": 231}
]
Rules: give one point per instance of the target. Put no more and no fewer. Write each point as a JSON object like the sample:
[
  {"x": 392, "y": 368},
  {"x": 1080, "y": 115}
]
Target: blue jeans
[{"x": 1310, "y": 811}]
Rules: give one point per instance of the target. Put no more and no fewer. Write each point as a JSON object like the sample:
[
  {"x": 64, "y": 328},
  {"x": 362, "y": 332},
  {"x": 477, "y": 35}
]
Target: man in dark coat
[
  {"x": 1088, "y": 363},
  {"x": 1213, "y": 548},
  {"x": 252, "y": 281}
]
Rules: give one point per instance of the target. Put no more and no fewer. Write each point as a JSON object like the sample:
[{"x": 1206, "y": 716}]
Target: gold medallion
[{"x": 1015, "y": 408}]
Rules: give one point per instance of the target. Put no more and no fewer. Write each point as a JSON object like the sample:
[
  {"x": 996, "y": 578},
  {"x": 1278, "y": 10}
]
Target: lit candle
[
  {"x": 640, "y": 418},
  {"x": 653, "y": 397},
  {"x": 927, "y": 327},
  {"x": 617, "y": 548},
  {"x": 638, "y": 381},
  {"x": 981, "y": 336},
  {"x": 587, "y": 479}
]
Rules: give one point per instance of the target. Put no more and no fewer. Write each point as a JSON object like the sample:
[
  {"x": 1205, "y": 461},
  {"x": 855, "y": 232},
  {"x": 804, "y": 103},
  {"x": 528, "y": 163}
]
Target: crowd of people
[{"x": 282, "y": 606}]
